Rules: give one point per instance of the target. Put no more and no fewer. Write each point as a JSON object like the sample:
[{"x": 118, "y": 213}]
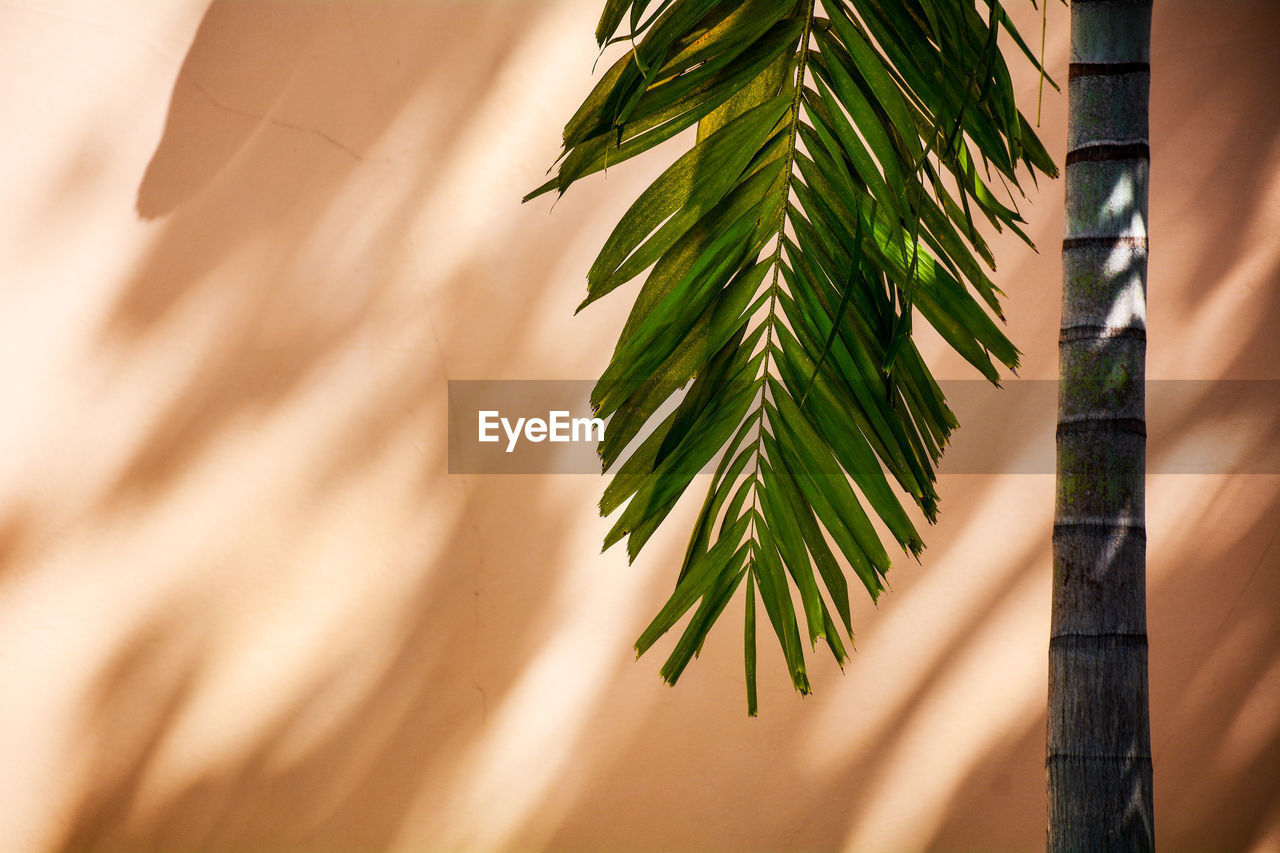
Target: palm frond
[{"x": 829, "y": 196}]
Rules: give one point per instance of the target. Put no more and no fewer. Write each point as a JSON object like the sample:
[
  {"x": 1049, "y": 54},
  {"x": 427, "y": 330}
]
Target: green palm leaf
[{"x": 829, "y": 196}]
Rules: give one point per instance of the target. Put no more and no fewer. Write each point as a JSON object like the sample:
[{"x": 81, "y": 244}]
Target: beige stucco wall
[{"x": 243, "y": 606}]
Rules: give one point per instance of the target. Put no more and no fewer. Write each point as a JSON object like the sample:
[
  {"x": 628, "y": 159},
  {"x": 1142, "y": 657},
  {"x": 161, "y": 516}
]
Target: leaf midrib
[{"x": 789, "y": 172}]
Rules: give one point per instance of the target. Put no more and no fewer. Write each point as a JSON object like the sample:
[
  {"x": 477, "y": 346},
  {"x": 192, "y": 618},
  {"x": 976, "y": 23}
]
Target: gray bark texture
[{"x": 1099, "y": 742}]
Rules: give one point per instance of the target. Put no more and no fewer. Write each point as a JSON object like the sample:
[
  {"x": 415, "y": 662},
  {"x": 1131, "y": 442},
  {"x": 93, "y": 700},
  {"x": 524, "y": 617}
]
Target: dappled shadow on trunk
[
  {"x": 1215, "y": 647},
  {"x": 1212, "y": 564}
]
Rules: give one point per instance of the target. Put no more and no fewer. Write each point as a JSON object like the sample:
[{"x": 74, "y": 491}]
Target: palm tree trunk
[{"x": 1099, "y": 741}]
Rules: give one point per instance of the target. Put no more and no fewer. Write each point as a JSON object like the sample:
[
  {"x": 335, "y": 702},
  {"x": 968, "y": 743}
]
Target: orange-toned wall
[{"x": 243, "y": 606}]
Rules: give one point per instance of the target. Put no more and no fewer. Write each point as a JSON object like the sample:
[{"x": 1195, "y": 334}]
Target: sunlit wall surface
[{"x": 244, "y": 244}]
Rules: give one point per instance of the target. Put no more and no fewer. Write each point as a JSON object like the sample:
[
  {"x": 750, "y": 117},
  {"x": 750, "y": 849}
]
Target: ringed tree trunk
[{"x": 1099, "y": 741}]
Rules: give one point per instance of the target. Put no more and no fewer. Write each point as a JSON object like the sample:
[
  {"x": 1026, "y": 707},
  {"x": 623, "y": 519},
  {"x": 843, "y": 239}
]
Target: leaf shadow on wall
[
  {"x": 272, "y": 136},
  {"x": 306, "y": 293}
]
